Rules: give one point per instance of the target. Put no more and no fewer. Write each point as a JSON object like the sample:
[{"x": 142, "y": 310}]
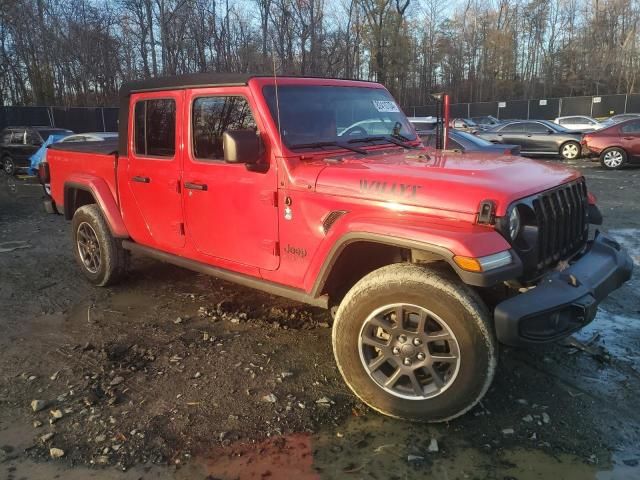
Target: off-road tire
[
  {"x": 442, "y": 293},
  {"x": 114, "y": 260},
  {"x": 613, "y": 158},
  {"x": 570, "y": 146},
  {"x": 8, "y": 165}
]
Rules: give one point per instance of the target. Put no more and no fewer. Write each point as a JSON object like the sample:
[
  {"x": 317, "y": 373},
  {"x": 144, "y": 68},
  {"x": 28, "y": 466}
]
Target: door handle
[
  {"x": 140, "y": 179},
  {"x": 195, "y": 186},
  {"x": 628, "y": 138}
]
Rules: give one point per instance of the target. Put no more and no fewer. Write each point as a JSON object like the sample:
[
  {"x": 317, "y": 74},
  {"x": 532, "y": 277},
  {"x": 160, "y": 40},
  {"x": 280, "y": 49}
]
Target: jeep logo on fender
[
  {"x": 296, "y": 251},
  {"x": 394, "y": 189}
]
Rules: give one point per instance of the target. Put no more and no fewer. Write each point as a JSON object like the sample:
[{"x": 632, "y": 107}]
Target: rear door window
[
  {"x": 211, "y": 117},
  {"x": 534, "y": 127},
  {"x": 5, "y": 138},
  {"x": 18, "y": 137},
  {"x": 632, "y": 127},
  {"x": 155, "y": 127}
]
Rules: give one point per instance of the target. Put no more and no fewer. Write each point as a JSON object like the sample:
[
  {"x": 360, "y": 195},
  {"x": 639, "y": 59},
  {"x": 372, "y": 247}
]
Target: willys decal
[{"x": 392, "y": 189}]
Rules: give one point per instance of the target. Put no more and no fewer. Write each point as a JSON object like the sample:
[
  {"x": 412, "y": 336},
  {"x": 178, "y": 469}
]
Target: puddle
[{"x": 630, "y": 239}]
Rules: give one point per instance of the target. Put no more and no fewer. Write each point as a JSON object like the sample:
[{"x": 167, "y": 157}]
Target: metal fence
[
  {"x": 78, "y": 119},
  {"x": 542, "y": 108}
]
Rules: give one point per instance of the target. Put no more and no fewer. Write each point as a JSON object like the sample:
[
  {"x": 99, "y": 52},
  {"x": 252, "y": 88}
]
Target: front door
[
  {"x": 230, "y": 210},
  {"x": 154, "y": 165}
]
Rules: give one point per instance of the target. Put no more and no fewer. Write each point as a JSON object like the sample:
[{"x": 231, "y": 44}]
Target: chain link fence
[
  {"x": 542, "y": 108},
  {"x": 78, "y": 119}
]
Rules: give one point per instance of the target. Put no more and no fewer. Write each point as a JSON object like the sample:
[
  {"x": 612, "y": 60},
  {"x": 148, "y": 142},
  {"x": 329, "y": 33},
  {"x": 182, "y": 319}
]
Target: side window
[
  {"x": 533, "y": 127},
  {"x": 211, "y": 117},
  {"x": 155, "y": 127},
  {"x": 631, "y": 127},
  {"x": 5, "y": 138},
  {"x": 33, "y": 138},
  {"x": 18, "y": 137},
  {"x": 512, "y": 128}
]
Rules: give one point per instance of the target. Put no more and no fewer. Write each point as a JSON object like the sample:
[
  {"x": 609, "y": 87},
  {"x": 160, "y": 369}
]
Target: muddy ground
[{"x": 172, "y": 374}]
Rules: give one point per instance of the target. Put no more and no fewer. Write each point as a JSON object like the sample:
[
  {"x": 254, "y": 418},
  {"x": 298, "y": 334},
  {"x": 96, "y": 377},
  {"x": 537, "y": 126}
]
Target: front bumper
[{"x": 564, "y": 301}]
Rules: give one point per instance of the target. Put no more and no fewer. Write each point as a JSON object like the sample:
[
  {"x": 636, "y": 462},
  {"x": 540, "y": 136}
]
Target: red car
[
  {"x": 616, "y": 146},
  {"x": 319, "y": 190}
]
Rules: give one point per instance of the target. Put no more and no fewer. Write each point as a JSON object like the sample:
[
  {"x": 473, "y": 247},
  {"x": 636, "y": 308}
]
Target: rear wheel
[
  {"x": 570, "y": 150},
  {"x": 414, "y": 343},
  {"x": 101, "y": 258},
  {"x": 8, "y": 165},
  {"x": 613, "y": 158}
]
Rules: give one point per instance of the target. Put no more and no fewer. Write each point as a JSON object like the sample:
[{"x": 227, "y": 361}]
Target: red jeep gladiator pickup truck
[{"x": 319, "y": 190}]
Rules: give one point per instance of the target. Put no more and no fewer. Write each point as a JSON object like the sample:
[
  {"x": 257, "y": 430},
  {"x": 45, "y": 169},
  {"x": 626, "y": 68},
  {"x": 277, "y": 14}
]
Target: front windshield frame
[{"x": 360, "y": 115}]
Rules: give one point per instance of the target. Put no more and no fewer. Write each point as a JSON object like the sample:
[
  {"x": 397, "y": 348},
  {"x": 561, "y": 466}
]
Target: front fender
[
  {"x": 102, "y": 194},
  {"x": 444, "y": 238}
]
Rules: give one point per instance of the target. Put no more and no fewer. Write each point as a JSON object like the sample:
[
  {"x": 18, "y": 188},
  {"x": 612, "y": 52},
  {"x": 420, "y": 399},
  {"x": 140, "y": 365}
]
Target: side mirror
[{"x": 242, "y": 146}]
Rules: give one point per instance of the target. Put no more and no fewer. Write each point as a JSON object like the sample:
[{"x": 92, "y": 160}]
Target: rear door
[
  {"x": 631, "y": 139},
  {"x": 230, "y": 211},
  {"x": 155, "y": 164},
  {"x": 537, "y": 139}
]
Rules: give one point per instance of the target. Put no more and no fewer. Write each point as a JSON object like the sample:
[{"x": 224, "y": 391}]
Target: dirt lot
[{"x": 173, "y": 374}]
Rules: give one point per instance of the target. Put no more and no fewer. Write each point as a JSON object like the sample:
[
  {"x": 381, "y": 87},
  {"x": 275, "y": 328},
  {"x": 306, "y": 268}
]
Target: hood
[{"x": 451, "y": 182}]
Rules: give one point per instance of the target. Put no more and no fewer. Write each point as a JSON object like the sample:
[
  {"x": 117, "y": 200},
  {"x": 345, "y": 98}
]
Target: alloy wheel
[
  {"x": 409, "y": 351},
  {"x": 613, "y": 158},
  {"x": 89, "y": 247},
  {"x": 570, "y": 151}
]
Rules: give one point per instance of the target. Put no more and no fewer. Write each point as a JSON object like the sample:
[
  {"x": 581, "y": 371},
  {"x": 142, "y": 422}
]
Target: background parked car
[
  {"x": 17, "y": 144},
  {"x": 619, "y": 118},
  {"x": 467, "y": 142},
  {"x": 578, "y": 122},
  {"x": 78, "y": 138},
  {"x": 536, "y": 137},
  {"x": 464, "y": 124},
  {"x": 616, "y": 145},
  {"x": 423, "y": 123},
  {"x": 486, "y": 121}
]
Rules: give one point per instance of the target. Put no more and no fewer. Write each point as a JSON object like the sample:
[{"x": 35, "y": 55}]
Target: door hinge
[
  {"x": 182, "y": 229},
  {"x": 275, "y": 199},
  {"x": 276, "y": 249},
  {"x": 178, "y": 186}
]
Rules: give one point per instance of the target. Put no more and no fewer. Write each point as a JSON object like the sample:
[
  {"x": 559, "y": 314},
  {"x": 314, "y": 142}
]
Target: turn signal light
[{"x": 468, "y": 263}]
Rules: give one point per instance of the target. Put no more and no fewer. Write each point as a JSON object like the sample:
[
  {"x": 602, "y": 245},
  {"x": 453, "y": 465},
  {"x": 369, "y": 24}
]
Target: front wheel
[
  {"x": 414, "y": 343},
  {"x": 570, "y": 150},
  {"x": 8, "y": 166},
  {"x": 613, "y": 158},
  {"x": 101, "y": 258}
]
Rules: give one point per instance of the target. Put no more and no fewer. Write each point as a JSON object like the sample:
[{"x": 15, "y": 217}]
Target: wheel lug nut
[
  {"x": 396, "y": 351},
  {"x": 421, "y": 356},
  {"x": 402, "y": 338},
  {"x": 417, "y": 341},
  {"x": 407, "y": 361}
]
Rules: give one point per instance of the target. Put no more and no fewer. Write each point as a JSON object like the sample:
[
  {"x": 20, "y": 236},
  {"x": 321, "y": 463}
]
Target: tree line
[{"x": 78, "y": 52}]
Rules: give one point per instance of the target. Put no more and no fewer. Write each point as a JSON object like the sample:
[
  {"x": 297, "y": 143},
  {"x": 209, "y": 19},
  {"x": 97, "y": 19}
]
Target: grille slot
[
  {"x": 561, "y": 215},
  {"x": 331, "y": 218}
]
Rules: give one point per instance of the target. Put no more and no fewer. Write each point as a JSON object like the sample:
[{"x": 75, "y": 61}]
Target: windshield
[
  {"x": 555, "y": 126},
  {"x": 329, "y": 114},
  {"x": 474, "y": 139}
]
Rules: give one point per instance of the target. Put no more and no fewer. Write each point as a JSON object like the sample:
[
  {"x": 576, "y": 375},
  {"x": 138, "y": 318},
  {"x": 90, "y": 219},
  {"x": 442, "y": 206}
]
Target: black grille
[{"x": 561, "y": 215}]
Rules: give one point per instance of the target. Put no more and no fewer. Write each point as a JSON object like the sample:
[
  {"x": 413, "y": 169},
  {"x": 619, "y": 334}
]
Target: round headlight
[{"x": 514, "y": 223}]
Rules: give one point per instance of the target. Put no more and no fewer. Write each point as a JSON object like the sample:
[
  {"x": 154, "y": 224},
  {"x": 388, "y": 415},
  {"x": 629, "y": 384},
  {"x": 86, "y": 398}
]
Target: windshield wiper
[
  {"x": 386, "y": 138},
  {"x": 330, "y": 144}
]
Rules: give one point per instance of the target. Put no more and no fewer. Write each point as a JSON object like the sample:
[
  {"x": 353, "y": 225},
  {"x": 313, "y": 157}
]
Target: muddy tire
[
  {"x": 8, "y": 166},
  {"x": 415, "y": 343},
  {"x": 613, "y": 158},
  {"x": 101, "y": 257},
  {"x": 570, "y": 150}
]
